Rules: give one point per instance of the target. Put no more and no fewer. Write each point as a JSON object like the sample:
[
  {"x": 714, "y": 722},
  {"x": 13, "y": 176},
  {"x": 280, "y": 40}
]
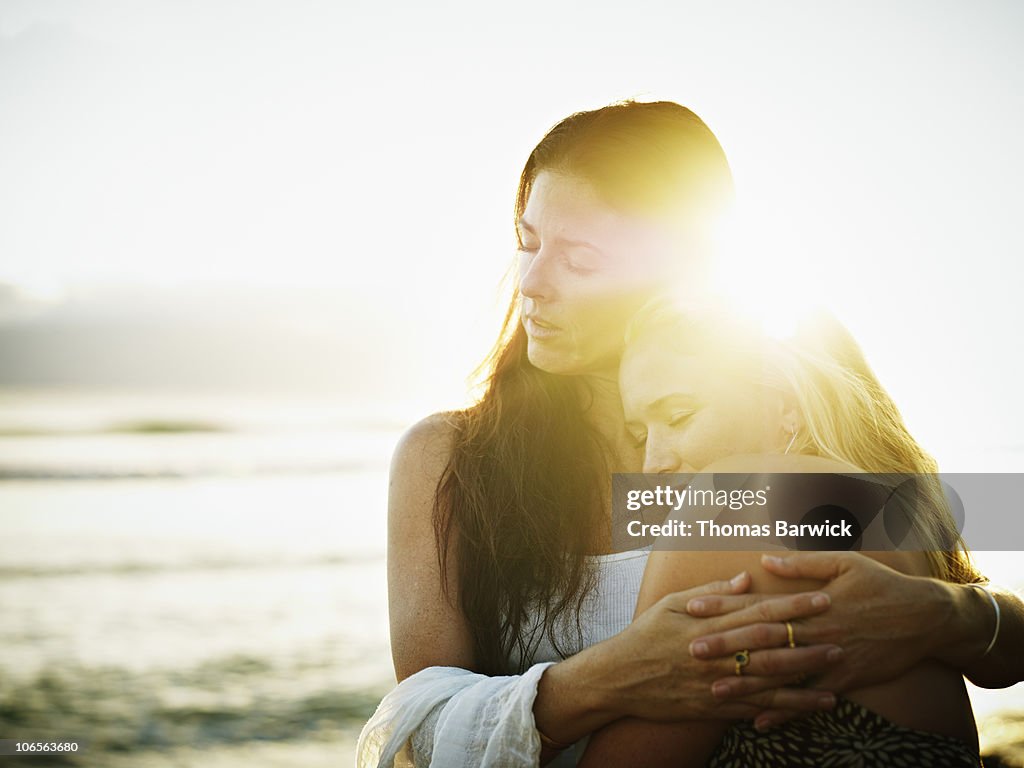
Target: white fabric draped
[{"x": 448, "y": 717}]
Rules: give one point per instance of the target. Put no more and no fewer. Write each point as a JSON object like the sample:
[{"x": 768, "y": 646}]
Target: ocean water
[
  {"x": 187, "y": 597},
  {"x": 202, "y": 582}
]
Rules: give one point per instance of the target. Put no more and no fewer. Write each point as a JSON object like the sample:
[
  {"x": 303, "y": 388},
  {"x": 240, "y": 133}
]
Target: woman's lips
[{"x": 540, "y": 329}]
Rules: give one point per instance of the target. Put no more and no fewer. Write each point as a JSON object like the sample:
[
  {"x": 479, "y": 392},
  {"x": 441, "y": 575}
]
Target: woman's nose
[
  {"x": 536, "y": 278},
  {"x": 659, "y": 458}
]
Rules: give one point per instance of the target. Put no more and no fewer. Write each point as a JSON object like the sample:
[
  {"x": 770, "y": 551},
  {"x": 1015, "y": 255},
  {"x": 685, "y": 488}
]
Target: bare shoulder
[
  {"x": 905, "y": 561},
  {"x": 427, "y": 627},
  {"x": 425, "y": 447},
  {"x": 417, "y": 466}
]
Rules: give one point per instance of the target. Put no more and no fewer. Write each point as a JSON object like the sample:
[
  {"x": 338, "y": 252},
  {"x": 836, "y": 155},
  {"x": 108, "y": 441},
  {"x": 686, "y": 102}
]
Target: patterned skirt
[{"x": 848, "y": 736}]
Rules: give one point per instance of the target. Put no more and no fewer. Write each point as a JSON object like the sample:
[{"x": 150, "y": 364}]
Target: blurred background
[{"x": 243, "y": 245}]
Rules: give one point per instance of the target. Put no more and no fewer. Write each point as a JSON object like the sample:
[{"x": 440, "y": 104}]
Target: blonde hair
[{"x": 848, "y": 416}]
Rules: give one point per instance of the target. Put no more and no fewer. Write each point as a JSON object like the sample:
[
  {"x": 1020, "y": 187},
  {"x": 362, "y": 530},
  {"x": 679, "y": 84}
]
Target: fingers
[
  {"x": 772, "y": 718},
  {"x": 763, "y": 685},
  {"x": 785, "y": 662},
  {"x": 677, "y": 601},
  {"x": 716, "y": 605},
  {"x": 775, "y": 610},
  {"x": 794, "y": 699},
  {"x": 747, "y": 685},
  {"x": 807, "y": 565},
  {"x": 802, "y": 604},
  {"x": 752, "y": 637}
]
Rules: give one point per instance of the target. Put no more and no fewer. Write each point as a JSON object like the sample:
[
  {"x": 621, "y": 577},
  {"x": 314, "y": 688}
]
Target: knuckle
[
  {"x": 817, "y": 630},
  {"x": 802, "y": 605},
  {"x": 814, "y": 660},
  {"x": 660, "y": 609},
  {"x": 716, "y": 646},
  {"x": 746, "y": 686},
  {"x": 759, "y": 685},
  {"x": 830, "y": 632},
  {"x": 711, "y": 603},
  {"x": 668, "y": 601},
  {"x": 770, "y": 663},
  {"x": 759, "y": 699},
  {"x": 798, "y": 700},
  {"x": 763, "y": 635}
]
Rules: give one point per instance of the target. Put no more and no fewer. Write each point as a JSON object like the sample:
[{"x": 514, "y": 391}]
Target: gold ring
[
  {"x": 789, "y": 631},
  {"x": 742, "y": 659}
]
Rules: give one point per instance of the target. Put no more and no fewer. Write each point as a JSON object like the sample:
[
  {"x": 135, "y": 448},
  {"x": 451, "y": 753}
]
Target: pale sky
[{"x": 373, "y": 149}]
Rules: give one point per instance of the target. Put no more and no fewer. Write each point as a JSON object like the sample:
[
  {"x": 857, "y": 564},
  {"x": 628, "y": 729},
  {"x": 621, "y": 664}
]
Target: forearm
[
  {"x": 646, "y": 671},
  {"x": 574, "y": 697},
  {"x": 971, "y": 625}
]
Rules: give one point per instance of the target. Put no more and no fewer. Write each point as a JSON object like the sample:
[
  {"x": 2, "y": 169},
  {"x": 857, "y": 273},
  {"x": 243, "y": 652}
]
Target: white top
[
  {"x": 607, "y": 610},
  {"x": 447, "y": 717}
]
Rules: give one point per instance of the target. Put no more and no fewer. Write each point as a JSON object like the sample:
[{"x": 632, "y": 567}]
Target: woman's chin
[{"x": 550, "y": 358}]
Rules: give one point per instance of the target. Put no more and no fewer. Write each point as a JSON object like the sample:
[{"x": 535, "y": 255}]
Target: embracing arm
[
  {"x": 427, "y": 627},
  {"x": 646, "y": 672},
  {"x": 690, "y": 743},
  {"x": 955, "y": 621},
  {"x": 970, "y": 621},
  {"x": 643, "y": 671},
  {"x": 887, "y": 622}
]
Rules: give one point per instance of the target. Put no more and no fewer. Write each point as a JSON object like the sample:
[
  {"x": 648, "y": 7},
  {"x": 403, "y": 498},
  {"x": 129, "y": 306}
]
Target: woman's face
[
  {"x": 688, "y": 411},
  {"x": 584, "y": 268}
]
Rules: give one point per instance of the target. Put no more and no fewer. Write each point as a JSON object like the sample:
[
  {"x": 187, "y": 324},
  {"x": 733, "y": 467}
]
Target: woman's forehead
[
  {"x": 563, "y": 204},
  {"x": 567, "y": 209}
]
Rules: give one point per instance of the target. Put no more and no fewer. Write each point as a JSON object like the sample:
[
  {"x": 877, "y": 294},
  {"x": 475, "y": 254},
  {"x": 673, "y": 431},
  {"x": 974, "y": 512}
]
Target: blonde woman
[{"x": 705, "y": 392}]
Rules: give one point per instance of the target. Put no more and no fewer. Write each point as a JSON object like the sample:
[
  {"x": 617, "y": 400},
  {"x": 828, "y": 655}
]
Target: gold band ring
[
  {"x": 742, "y": 659},
  {"x": 789, "y": 631}
]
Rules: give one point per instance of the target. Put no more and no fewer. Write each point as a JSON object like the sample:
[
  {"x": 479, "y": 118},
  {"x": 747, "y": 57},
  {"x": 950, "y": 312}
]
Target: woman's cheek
[
  {"x": 706, "y": 439},
  {"x": 687, "y": 445}
]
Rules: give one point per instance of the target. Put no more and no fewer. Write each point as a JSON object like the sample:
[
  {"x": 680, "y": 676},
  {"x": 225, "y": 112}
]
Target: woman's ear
[{"x": 789, "y": 415}]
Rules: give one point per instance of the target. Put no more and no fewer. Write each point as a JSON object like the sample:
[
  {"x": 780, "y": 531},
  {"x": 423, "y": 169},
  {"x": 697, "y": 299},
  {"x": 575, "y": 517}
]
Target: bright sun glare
[{"x": 758, "y": 278}]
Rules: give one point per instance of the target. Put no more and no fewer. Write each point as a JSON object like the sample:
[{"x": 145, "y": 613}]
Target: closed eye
[
  {"x": 679, "y": 418},
  {"x": 580, "y": 270},
  {"x": 638, "y": 440}
]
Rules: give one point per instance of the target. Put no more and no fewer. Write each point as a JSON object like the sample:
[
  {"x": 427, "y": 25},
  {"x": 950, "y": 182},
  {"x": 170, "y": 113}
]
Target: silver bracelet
[{"x": 995, "y": 604}]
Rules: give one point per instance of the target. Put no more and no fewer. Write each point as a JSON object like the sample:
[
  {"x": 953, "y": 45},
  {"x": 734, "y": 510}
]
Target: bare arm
[
  {"x": 955, "y": 621},
  {"x": 690, "y": 743},
  {"x": 888, "y": 621},
  {"x": 643, "y": 671},
  {"x": 646, "y": 672},
  {"x": 971, "y": 623},
  {"x": 427, "y": 629}
]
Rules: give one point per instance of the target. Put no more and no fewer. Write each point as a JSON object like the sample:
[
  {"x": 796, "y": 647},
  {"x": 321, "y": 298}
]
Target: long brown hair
[{"x": 520, "y": 499}]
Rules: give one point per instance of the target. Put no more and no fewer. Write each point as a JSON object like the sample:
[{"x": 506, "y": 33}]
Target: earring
[{"x": 793, "y": 438}]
